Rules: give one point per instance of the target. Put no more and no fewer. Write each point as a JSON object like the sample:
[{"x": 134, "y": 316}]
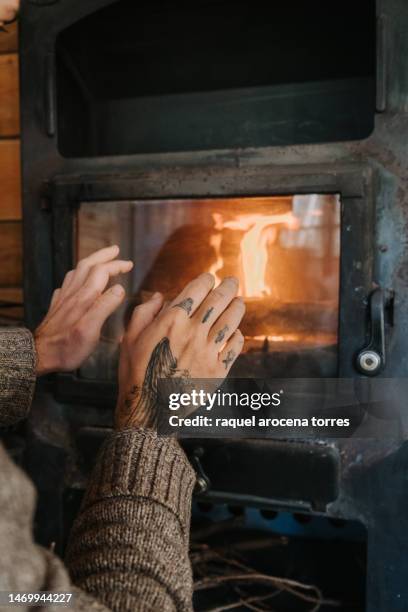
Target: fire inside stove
[{"x": 284, "y": 250}]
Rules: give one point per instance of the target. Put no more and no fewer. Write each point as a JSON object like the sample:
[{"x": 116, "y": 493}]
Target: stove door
[{"x": 299, "y": 242}]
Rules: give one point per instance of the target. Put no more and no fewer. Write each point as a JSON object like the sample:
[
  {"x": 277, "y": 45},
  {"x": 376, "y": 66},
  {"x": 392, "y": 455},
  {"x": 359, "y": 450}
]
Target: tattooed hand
[{"x": 195, "y": 336}]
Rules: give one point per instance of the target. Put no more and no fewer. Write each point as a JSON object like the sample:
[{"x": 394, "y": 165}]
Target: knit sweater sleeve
[
  {"x": 17, "y": 374},
  {"x": 129, "y": 544}
]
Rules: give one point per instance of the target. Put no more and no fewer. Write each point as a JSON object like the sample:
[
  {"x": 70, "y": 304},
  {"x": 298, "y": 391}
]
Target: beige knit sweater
[{"x": 128, "y": 549}]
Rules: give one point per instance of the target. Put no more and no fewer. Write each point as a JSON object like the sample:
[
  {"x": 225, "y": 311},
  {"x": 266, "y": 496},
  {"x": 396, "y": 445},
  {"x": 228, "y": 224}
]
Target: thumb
[
  {"x": 102, "y": 308},
  {"x": 144, "y": 314}
]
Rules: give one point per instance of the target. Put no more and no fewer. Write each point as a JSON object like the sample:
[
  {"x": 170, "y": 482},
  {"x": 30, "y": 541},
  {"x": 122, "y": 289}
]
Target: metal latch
[{"x": 371, "y": 359}]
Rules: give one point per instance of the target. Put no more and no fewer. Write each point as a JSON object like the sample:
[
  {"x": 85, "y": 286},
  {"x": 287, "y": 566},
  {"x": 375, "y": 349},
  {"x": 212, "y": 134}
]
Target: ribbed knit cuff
[
  {"x": 139, "y": 463},
  {"x": 17, "y": 367}
]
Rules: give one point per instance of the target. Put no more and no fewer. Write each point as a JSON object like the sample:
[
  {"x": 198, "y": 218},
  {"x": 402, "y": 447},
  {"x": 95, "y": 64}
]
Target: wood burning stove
[{"x": 205, "y": 137}]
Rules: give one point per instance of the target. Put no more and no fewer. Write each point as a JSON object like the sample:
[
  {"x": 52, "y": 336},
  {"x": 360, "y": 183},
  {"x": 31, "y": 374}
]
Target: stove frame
[{"x": 354, "y": 183}]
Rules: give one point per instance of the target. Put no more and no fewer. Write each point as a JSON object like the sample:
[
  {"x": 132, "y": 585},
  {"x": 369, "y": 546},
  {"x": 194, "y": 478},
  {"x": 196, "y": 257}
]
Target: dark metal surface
[
  {"x": 302, "y": 475},
  {"x": 361, "y": 479}
]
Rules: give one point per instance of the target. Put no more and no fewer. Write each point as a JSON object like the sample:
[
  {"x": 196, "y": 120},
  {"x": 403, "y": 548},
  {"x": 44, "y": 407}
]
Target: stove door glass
[{"x": 285, "y": 252}]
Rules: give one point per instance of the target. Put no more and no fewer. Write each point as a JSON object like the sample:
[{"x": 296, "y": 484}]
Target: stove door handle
[{"x": 371, "y": 359}]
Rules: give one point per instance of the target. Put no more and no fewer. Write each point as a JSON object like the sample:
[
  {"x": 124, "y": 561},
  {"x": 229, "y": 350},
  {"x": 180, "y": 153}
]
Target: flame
[{"x": 260, "y": 232}]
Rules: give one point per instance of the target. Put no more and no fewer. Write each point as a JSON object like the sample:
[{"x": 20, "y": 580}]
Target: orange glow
[
  {"x": 280, "y": 338},
  {"x": 260, "y": 231}
]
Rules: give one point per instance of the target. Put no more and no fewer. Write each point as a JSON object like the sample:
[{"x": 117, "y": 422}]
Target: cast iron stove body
[{"x": 103, "y": 122}]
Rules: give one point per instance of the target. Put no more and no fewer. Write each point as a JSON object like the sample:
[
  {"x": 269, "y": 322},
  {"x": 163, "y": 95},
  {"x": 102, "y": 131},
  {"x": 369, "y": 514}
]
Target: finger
[
  {"x": 66, "y": 282},
  {"x": 55, "y": 298},
  {"x": 84, "y": 266},
  {"x": 101, "y": 256},
  {"x": 216, "y": 302},
  {"x": 72, "y": 307},
  {"x": 144, "y": 314},
  {"x": 100, "y": 274},
  {"x": 227, "y": 323},
  {"x": 165, "y": 306},
  {"x": 194, "y": 293},
  {"x": 231, "y": 351},
  {"x": 102, "y": 308}
]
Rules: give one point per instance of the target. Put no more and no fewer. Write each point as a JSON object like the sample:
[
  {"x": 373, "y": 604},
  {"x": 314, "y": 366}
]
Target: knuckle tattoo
[
  {"x": 186, "y": 304},
  {"x": 221, "y": 334},
  {"x": 207, "y": 315},
  {"x": 229, "y": 358}
]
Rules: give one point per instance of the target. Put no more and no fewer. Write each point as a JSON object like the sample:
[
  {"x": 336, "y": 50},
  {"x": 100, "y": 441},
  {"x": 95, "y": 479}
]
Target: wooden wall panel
[
  {"x": 9, "y": 95},
  {"x": 11, "y": 259},
  {"x": 10, "y": 196},
  {"x": 11, "y": 253},
  {"x": 12, "y": 295},
  {"x": 9, "y": 38}
]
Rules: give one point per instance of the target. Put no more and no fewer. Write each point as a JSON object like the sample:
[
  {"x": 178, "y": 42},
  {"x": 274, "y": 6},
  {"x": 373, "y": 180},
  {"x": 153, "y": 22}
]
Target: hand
[
  {"x": 72, "y": 327},
  {"x": 8, "y": 10},
  {"x": 195, "y": 336}
]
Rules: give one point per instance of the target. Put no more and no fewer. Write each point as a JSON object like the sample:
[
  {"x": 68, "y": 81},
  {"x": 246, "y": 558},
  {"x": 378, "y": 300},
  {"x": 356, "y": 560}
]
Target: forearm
[
  {"x": 17, "y": 374},
  {"x": 129, "y": 545}
]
